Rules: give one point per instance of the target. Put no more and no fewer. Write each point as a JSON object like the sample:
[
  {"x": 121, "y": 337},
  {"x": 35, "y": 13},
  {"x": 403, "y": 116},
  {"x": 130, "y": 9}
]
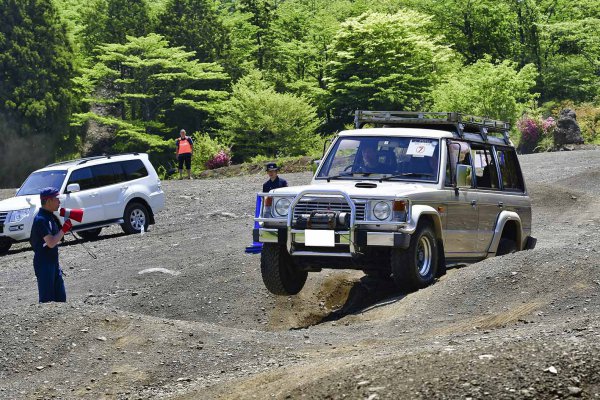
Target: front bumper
[{"x": 363, "y": 238}]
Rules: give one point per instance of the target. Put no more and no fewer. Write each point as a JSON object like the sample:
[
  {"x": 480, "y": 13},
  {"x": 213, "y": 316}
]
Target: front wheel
[
  {"x": 5, "y": 245},
  {"x": 279, "y": 273},
  {"x": 416, "y": 267},
  {"x": 136, "y": 216}
]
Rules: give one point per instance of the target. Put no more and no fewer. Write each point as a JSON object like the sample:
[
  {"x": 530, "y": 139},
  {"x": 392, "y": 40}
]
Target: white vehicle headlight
[
  {"x": 382, "y": 210},
  {"x": 18, "y": 215},
  {"x": 282, "y": 206}
]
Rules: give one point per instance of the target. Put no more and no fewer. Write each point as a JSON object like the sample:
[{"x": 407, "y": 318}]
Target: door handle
[
  {"x": 474, "y": 203},
  {"x": 500, "y": 204},
  {"x": 94, "y": 194}
]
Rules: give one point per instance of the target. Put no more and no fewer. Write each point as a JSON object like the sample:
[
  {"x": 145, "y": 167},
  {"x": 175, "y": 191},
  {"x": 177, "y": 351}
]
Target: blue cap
[
  {"x": 272, "y": 167},
  {"x": 48, "y": 193}
]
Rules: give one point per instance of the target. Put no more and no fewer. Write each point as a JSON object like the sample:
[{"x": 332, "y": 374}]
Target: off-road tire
[
  {"x": 279, "y": 273},
  {"x": 5, "y": 245},
  {"x": 417, "y": 266},
  {"x": 135, "y": 213},
  {"x": 506, "y": 246},
  {"x": 90, "y": 234}
]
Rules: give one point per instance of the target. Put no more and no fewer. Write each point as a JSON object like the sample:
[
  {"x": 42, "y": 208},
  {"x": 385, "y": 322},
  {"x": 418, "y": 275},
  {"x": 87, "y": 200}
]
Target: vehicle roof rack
[
  {"x": 83, "y": 160},
  {"x": 460, "y": 123}
]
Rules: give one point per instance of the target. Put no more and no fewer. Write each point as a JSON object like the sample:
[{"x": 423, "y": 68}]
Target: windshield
[
  {"x": 389, "y": 158},
  {"x": 42, "y": 179}
]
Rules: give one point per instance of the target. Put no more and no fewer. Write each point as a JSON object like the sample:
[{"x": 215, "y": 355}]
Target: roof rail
[
  {"x": 83, "y": 160},
  {"x": 458, "y": 121}
]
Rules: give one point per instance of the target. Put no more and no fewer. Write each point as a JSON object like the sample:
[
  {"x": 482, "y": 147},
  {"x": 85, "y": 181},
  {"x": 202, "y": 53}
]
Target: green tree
[
  {"x": 196, "y": 25},
  {"x": 499, "y": 91},
  {"x": 260, "y": 121},
  {"x": 111, "y": 21},
  {"x": 384, "y": 61},
  {"x": 35, "y": 85},
  {"x": 153, "y": 89}
]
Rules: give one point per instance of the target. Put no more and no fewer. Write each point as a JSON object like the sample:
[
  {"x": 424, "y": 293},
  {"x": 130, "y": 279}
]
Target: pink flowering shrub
[
  {"x": 534, "y": 129},
  {"x": 221, "y": 159}
]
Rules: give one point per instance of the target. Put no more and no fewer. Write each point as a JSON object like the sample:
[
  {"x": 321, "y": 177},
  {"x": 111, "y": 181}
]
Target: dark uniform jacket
[
  {"x": 277, "y": 183},
  {"x": 44, "y": 223}
]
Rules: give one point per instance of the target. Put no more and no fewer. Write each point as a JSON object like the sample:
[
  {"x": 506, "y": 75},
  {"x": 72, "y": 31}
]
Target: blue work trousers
[{"x": 51, "y": 286}]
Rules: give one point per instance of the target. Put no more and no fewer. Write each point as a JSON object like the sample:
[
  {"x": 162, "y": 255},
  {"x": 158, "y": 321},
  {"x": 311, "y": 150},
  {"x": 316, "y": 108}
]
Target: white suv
[{"x": 120, "y": 189}]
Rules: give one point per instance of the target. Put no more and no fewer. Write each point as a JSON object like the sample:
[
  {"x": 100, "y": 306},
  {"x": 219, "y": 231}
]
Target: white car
[{"x": 120, "y": 189}]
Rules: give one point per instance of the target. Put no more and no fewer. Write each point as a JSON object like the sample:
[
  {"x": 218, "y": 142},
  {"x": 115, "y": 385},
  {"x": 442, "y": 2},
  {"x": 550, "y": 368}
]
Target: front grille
[
  {"x": 307, "y": 206},
  {"x": 3, "y": 216}
]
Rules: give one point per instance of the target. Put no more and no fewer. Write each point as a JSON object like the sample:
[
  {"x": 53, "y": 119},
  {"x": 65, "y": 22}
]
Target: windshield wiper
[
  {"x": 407, "y": 174},
  {"x": 348, "y": 174}
]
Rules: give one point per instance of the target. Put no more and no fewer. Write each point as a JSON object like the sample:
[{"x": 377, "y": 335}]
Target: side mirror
[
  {"x": 463, "y": 176},
  {"x": 73, "y": 187},
  {"x": 315, "y": 165}
]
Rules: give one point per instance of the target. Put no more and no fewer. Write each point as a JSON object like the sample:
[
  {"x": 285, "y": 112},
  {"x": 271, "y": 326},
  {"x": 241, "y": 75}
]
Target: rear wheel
[
  {"x": 136, "y": 216},
  {"x": 279, "y": 273},
  {"x": 5, "y": 245},
  {"x": 90, "y": 234},
  {"x": 416, "y": 267},
  {"x": 506, "y": 246}
]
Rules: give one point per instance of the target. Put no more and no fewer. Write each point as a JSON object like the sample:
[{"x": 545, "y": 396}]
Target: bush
[
  {"x": 221, "y": 159},
  {"x": 206, "y": 150},
  {"x": 536, "y": 133}
]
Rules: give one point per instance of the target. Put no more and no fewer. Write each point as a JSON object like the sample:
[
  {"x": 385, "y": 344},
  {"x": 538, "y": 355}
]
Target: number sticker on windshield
[{"x": 421, "y": 148}]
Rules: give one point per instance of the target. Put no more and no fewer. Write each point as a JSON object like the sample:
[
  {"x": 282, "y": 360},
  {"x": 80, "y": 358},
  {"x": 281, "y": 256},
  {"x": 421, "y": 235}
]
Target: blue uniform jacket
[
  {"x": 44, "y": 223},
  {"x": 277, "y": 183}
]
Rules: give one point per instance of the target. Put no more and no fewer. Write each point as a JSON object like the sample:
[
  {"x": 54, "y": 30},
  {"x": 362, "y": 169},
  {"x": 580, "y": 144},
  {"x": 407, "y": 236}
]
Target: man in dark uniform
[
  {"x": 274, "y": 181},
  {"x": 46, "y": 233}
]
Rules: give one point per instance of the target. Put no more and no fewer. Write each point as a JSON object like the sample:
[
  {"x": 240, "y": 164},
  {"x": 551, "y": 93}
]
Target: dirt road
[{"x": 526, "y": 325}]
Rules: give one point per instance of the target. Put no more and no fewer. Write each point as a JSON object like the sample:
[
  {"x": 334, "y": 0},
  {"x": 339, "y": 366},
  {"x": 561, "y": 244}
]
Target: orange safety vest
[{"x": 184, "y": 146}]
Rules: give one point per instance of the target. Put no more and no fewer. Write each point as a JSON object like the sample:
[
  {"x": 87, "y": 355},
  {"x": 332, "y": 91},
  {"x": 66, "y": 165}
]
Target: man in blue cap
[
  {"x": 274, "y": 181},
  {"x": 46, "y": 233}
]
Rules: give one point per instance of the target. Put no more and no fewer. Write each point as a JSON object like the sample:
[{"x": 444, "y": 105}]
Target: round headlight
[
  {"x": 282, "y": 206},
  {"x": 381, "y": 210}
]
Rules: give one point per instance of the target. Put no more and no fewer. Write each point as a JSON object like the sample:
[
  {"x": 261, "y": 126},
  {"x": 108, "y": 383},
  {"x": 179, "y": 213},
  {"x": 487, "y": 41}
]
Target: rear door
[
  {"x": 110, "y": 179},
  {"x": 491, "y": 198},
  {"x": 87, "y": 198},
  {"x": 460, "y": 239}
]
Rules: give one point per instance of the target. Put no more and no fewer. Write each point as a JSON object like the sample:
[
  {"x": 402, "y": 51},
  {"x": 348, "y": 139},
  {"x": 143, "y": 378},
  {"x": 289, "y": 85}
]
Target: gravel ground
[{"x": 526, "y": 325}]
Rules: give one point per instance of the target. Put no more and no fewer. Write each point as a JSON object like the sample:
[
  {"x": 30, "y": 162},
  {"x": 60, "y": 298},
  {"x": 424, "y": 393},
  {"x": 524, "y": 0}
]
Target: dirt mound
[
  {"x": 181, "y": 312},
  {"x": 300, "y": 164}
]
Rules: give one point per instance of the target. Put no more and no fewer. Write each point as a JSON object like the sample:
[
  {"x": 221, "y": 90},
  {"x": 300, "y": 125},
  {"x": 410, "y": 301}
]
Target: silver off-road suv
[{"x": 403, "y": 198}]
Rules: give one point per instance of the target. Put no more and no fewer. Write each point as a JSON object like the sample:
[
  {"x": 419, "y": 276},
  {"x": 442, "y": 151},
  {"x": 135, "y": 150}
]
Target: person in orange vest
[{"x": 184, "y": 150}]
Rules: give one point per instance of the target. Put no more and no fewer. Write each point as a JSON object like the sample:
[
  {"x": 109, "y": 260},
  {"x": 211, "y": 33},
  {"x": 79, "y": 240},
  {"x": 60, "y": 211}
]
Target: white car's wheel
[{"x": 136, "y": 216}]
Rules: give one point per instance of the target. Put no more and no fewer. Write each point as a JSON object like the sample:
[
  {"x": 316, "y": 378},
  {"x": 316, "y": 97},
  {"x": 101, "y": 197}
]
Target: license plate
[{"x": 319, "y": 238}]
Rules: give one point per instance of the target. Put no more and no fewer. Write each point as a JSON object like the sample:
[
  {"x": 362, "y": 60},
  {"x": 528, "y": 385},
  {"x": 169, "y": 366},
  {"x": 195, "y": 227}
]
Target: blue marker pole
[{"x": 256, "y": 247}]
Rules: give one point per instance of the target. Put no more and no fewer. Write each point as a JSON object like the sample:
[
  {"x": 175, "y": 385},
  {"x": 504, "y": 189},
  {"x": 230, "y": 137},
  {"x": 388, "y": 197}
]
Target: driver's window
[{"x": 458, "y": 152}]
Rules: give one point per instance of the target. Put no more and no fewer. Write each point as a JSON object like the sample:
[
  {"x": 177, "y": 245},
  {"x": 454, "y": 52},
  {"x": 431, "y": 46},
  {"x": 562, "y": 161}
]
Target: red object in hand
[
  {"x": 72, "y": 213},
  {"x": 67, "y": 226}
]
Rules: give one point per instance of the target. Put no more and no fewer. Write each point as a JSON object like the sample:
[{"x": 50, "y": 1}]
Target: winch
[{"x": 336, "y": 220}]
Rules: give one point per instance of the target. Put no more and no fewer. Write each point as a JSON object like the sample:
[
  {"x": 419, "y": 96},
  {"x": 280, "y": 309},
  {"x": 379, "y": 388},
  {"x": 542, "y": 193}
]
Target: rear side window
[
  {"x": 83, "y": 177},
  {"x": 134, "y": 169},
  {"x": 486, "y": 174},
  {"x": 510, "y": 170},
  {"x": 105, "y": 175}
]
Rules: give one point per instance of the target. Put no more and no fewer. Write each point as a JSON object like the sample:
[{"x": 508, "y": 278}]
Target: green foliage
[
  {"x": 35, "y": 85},
  {"x": 389, "y": 62},
  {"x": 111, "y": 21},
  {"x": 205, "y": 148},
  {"x": 259, "y": 120},
  {"x": 195, "y": 25},
  {"x": 152, "y": 85},
  {"x": 499, "y": 91}
]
